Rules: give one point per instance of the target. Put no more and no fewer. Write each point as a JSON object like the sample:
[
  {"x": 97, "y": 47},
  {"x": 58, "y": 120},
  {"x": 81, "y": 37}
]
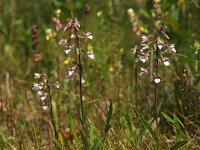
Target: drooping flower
[
  {"x": 71, "y": 71},
  {"x": 73, "y": 36},
  {"x": 39, "y": 92},
  {"x": 144, "y": 71},
  {"x": 144, "y": 57},
  {"x": 45, "y": 107},
  {"x": 43, "y": 97},
  {"x": 90, "y": 55},
  {"x": 145, "y": 46},
  {"x": 166, "y": 61},
  {"x": 37, "y": 86},
  {"x": 56, "y": 85},
  {"x": 144, "y": 39},
  {"x": 172, "y": 48},
  {"x": 156, "y": 78},
  {"x": 37, "y": 75},
  {"x": 89, "y": 35},
  {"x": 160, "y": 45}
]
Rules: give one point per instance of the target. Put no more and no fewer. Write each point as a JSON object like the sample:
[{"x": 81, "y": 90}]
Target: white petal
[
  {"x": 40, "y": 93},
  {"x": 70, "y": 72},
  {"x": 89, "y": 35},
  {"x": 37, "y": 75},
  {"x": 45, "y": 107},
  {"x": 166, "y": 63},
  {"x": 35, "y": 88},
  {"x": 143, "y": 60},
  {"x": 160, "y": 46},
  {"x": 35, "y": 84},
  {"x": 91, "y": 56},
  {"x": 73, "y": 36},
  {"x": 67, "y": 51},
  {"x": 43, "y": 97},
  {"x": 173, "y": 50},
  {"x": 157, "y": 80}
]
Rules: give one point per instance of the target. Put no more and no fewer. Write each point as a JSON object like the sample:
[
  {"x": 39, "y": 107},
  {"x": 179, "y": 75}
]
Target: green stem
[
  {"x": 80, "y": 78},
  {"x": 136, "y": 83},
  {"x": 156, "y": 90},
  {"x": 51, "y": 109}
]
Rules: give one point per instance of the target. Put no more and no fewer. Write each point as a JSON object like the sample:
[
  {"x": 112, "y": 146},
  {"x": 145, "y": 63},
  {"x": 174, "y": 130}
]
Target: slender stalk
[
  {"x": 82, "y": 113},
  {"x": 136, "y": 83},
  {"x": 80, "y": 78},
  {"x": 156, "y": 101},
  {"x": 156, "y": 87}
]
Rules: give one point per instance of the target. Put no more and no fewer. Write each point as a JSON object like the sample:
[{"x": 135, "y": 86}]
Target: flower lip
[
  {"x": 156, "y": 78},
  {"x": 166, "y": 61}
]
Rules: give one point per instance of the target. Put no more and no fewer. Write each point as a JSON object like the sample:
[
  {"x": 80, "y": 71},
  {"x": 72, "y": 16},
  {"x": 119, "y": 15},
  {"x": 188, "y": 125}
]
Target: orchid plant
[
  {"x": 154, "y": 51},
  {"x": 154, "y": 45},
  {"x": 72, "y": 45}
]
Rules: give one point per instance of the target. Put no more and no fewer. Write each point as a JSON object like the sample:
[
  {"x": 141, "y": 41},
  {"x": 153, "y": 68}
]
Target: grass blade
[
  {"x": 73, "y": 129},
  {"x": 149, "y": 128}
]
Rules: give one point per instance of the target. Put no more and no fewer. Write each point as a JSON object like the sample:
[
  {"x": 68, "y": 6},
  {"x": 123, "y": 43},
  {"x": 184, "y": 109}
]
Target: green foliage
[
  {"x": 73, "y": 129},
  {"x": 149, "y": 128},
  {"x": 178, "y": 126}
]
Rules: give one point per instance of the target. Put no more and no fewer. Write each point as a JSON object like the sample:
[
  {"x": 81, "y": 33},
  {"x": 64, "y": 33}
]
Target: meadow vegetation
[{"x": 100, "y": 74}]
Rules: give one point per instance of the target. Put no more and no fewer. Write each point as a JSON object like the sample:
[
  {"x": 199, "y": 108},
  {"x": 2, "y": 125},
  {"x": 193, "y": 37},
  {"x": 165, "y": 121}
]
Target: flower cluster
[
  {"x": 42, "y": 88},
  {"x": 154, "y": 46},
  {"x": 71, "y": 45}
]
